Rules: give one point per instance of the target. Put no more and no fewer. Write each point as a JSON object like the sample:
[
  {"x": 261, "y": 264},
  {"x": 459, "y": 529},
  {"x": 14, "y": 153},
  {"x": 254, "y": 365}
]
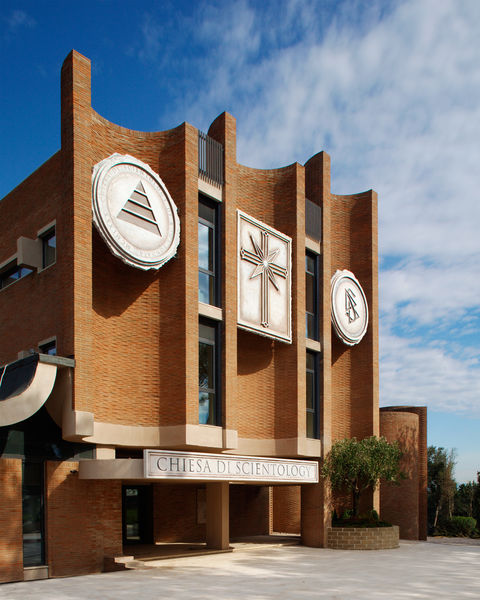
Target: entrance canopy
[{"x": 25, "y": 386}]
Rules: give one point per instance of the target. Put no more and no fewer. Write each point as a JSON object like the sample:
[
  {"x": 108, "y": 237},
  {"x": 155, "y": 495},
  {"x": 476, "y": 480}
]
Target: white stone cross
[{"x": 266, "y": 268}]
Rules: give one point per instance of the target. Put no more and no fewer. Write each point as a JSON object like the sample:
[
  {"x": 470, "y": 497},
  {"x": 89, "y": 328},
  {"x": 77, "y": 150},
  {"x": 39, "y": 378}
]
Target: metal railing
[
  {"x": 313, "y": 220},
  {"x": 210, "y": 159}
]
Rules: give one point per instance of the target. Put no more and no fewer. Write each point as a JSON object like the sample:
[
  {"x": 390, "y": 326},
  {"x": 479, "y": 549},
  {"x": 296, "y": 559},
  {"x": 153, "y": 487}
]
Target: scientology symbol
[
  {"x": 133, "y": 212},
  {"x": 349, "y": 308}
]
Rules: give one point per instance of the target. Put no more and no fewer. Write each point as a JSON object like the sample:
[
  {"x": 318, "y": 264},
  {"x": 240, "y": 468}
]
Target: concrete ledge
[
  {"x": 34, "y": 573},
  {"x": 363, "y": 538}
]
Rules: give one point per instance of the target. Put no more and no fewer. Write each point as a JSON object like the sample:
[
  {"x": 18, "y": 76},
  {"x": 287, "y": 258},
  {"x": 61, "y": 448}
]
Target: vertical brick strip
[
  {"x": 224, "y": 131},
  {"x": 11, "y": 542}
]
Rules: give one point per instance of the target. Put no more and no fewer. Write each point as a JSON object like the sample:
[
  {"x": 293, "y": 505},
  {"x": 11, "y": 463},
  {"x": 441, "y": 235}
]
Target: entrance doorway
[{"x": 137, "y": 514}]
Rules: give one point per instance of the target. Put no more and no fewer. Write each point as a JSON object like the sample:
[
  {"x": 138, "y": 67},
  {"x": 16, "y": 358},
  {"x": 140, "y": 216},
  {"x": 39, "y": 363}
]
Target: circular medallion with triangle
[{"x": 133, "y": 212}]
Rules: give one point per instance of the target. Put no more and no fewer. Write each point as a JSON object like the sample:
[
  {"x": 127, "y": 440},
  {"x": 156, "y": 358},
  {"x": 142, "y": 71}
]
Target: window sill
[
  {"x": 312, "y": 245},
  {"x": 209, "y": 311},
  {"x": 313, "y": 345}
]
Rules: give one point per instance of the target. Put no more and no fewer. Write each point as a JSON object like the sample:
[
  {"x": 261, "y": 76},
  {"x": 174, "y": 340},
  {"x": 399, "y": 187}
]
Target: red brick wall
[
  {"x": 270, "y": 372},
  {"x": 355, "y": 369},
  {"x": 249, "y": 510},
  {"x": 286, "y": 509},
  {"x": 11, "y": 547},
  {"x": 175, "y": 513},
  {"x": 39, "y": 305},
  {"x": 406, "y": 505},
  {"x": 83, "y": 520}
]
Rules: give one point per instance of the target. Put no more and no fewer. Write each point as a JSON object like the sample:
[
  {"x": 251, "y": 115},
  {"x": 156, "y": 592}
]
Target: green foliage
[
  {"x": 356, "y": 466},
  {"x": 368, "y": 519},
  {"x": 457, "y": 527},
  {"x": 441, "y": 485},
  {"x": 467, "y": 499}
]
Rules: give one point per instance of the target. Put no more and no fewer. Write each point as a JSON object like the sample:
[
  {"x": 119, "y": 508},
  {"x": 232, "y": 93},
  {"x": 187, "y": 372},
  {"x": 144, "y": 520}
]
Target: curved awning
[{"x": 25, "y": 386}]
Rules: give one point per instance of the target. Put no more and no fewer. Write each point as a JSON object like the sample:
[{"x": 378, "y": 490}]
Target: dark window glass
[
  {"x": 208, "y": 252},
  {"x": 49, "y": 246},
  {"x": 12, "y": 274},
  {"x": 311, "y": 296},
  {"x": 137, "y": 514},
  {"x": 312, "y": 395},
  {"x": 33, "y": 514},
  {"x": 208, "y": 375},
  {"x": 49, "y": 348}
]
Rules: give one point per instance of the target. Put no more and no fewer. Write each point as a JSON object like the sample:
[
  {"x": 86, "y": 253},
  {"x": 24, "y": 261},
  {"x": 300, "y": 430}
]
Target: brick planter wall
[{"x": 363, "y": 538}]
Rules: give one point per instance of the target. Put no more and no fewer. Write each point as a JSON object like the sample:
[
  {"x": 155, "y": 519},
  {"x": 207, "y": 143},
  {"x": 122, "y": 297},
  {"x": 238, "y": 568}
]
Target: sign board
[{"x": 166, "y": 464}]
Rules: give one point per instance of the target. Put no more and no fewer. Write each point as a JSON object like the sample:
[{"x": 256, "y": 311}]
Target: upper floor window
[
  {"x": 49, "y": 246},
  {"x": 208, "y": 374},
  {"x": 312, "y": 395},
  {"x": 311, "y": 295},
  {"x": 208, "y": 252},
  {"x": 13, "y": 273}
]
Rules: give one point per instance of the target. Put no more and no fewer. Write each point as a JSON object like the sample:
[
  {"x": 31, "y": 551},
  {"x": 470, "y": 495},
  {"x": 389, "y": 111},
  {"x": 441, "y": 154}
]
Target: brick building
[{"x": 170, "y": 369}]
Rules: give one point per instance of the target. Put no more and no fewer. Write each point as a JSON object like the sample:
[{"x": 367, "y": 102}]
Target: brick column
[
  {"x": 11, "y": 541},
  {"x": 218, "y": 536}
]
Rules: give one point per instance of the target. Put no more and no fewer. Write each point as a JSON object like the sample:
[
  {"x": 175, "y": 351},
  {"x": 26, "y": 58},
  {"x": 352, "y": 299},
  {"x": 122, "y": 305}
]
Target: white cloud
[
  {"x": 391, "y": 91},
  {"x": 419, "y": 374},
  {"x": 19, "y": 18},
  {"x": 430, "y": 294}
]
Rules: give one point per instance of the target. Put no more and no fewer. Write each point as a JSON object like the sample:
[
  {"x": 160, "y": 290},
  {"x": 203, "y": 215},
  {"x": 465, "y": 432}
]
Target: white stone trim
[
  {"x": 210, "y": 190},
  {"x": 313, "y": 345},
  {"x": 212, "y": 312},
  {"x": 313, "y": 245},
  {"x": 18, "y": 408}
]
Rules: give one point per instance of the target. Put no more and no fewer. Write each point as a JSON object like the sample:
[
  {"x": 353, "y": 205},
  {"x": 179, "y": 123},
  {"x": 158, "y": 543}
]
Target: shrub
[{"x": 458, "y": 527}]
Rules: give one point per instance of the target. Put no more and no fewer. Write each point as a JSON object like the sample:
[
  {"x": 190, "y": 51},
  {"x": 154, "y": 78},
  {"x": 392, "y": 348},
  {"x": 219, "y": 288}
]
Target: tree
[
  {"x": 355, "y": 466},
  {"x": 464, "y": 498},
  {"x": 441, "y": 485},
  {"x": 467, "y": 499}
]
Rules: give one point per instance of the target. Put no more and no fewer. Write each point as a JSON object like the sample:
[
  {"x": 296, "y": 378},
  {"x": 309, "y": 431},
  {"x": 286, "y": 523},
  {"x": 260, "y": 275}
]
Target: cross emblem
[{"x": 266, "y": 269}]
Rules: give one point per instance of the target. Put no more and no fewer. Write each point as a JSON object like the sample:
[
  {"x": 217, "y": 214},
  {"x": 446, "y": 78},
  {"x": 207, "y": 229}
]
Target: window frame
[
  {"x": 46, "y": 345},
  {"x": 314, "y": 275},
  {"x": 45, "y": 237},
  {"x": 10, "y": 269},
  {"x": 315, "y": 410},
  {"x": 216, "y": 419},
  {"x": 214, "y": 226}
]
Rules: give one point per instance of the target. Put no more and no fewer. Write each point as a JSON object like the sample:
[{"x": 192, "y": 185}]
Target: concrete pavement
[{"x": 416, "y": 570}]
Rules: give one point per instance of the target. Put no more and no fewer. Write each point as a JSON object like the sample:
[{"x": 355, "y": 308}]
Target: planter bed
[{"x": 363, "y": 538}]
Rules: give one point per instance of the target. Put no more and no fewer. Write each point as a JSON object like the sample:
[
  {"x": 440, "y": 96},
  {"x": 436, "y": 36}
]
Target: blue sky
[{"x": 389, "y": 89}]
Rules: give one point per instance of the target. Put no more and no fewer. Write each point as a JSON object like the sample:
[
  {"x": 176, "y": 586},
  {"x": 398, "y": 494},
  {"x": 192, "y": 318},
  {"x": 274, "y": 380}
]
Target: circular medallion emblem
[
  {"x": 133, "y": 212},
  {"x": 349, "y": 308}
]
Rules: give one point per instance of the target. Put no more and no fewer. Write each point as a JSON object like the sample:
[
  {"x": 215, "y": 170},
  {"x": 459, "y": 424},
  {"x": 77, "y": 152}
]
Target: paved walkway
[{"x": 416, "y": 570}]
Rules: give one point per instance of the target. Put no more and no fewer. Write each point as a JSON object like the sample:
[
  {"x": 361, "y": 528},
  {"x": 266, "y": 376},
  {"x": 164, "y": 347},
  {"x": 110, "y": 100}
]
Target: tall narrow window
[
  {"x": 208, "y": 251},
  {"x": 208, "y": 374},
  {"x": 311, "y": 296},
  {"x": 49, "y": 248},
  {"x": 312, "y": 395},
  {"x": 33, "y": 513}
]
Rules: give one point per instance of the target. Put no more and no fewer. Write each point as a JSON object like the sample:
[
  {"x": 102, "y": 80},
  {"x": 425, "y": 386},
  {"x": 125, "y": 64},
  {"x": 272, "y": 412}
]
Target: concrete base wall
[{"x": 363, "y": 538}]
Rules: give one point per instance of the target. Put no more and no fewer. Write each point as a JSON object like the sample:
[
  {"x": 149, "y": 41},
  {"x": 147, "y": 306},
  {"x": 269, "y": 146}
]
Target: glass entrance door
[{"x": 137, "y": 514}]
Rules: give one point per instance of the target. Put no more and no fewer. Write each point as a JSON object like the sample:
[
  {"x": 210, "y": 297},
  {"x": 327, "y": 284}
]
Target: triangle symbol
[{"x": 137, "y": 211}]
